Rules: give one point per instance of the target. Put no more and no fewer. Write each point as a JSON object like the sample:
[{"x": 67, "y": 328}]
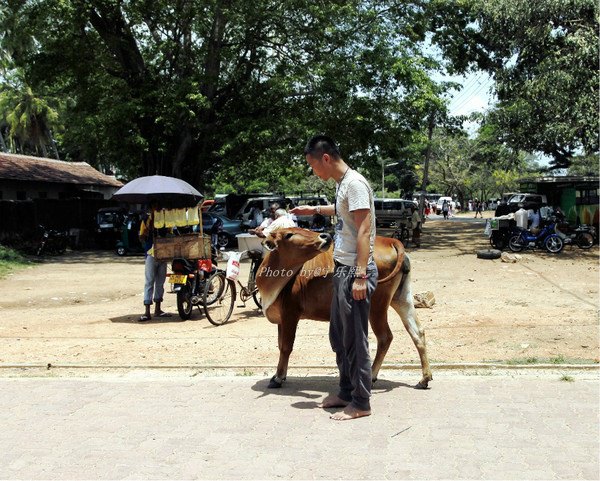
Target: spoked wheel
[
  {"x": 213, "y": 288},
  {"x": 585, "y": 240},
  {"x": 184, "y": 303},
  {"x": 515, "y": 243},
  {"x": 257, "y": 298},
  {"x": 219, "y": 311},
  {"x": 554, "y": 244},
  {"x": 498, "y": 242},
  {"x": 404, "y": 236},
  {"x": 223, "y": 240}
]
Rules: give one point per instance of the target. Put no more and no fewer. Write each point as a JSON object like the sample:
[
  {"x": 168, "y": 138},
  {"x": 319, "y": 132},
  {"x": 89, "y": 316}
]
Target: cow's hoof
[
  {"x": 423, "y": 384},
  {"x": 275, "y": 382}
]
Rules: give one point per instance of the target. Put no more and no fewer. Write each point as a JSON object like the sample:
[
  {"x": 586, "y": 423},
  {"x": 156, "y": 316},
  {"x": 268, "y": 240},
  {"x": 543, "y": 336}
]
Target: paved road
[{"x": 158, "y": 426}]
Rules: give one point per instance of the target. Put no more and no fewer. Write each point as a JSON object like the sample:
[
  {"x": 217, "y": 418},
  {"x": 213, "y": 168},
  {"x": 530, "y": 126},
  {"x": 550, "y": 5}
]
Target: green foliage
[
  {"x": 225, "y": 94},
  {"x": 543, "y": 56},
  {"x": 10, "y": 259},
  {"x": 473, "y": 168},
  {"x": 584, "y": 165}
]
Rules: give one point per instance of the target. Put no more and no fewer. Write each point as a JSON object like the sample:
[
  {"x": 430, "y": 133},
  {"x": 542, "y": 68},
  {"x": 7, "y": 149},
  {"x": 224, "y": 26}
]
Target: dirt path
[{"x": 82, "y": 309}]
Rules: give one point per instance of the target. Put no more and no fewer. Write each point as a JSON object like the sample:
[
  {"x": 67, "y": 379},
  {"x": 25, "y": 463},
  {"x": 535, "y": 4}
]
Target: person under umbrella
[{"x": 155, "y": 272}]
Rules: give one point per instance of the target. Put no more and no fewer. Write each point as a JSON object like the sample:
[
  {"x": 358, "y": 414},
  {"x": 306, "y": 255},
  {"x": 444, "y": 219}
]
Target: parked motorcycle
[
  {"x": 200, "y": 283},
  {"x": 53, "y": 242},
  {"x": 546, "y": 238},
  {"x": 583, "y": 236}
]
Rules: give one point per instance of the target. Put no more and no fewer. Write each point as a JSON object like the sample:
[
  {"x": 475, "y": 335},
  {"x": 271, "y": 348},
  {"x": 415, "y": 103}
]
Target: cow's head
[{"x": 297, "y": 245}]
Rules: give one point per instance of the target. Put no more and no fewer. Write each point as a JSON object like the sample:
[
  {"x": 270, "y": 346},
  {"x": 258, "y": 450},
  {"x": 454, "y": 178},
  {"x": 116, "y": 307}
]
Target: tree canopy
[
  {"x": 227, "y": 89},
  {"x": 224, "y": 93},
  {"x": 543, "y": 56}
]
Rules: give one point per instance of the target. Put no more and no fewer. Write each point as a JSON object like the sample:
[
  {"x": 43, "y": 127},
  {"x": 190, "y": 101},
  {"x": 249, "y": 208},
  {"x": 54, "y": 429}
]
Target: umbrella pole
[{"x": 200, "y": 217}]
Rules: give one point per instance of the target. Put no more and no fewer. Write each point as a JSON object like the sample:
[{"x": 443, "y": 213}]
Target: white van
[{"x": 440, "y": 203}]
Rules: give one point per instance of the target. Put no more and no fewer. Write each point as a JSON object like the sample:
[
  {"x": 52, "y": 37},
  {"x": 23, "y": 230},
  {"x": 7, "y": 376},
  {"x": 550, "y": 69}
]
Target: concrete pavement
[{"x": 153, "y": 425}]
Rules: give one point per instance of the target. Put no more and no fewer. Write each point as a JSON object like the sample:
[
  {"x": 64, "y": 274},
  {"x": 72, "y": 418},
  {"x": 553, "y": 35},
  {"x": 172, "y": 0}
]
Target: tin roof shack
[
  {"x": 23, "y": 177},
  {"x": 577, "y": 196},
  {"x": 54, "y": 193}
]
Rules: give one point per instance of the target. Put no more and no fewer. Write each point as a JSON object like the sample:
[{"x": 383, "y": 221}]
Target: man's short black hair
[{"x": 322, "y": 144}]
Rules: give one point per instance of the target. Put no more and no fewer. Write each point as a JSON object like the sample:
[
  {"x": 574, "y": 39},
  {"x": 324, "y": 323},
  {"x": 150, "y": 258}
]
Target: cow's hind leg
[
  {"x": 383, "y": 334},
  {"x": 286, "y": 334},
  {"x": 403, "y": 304}
]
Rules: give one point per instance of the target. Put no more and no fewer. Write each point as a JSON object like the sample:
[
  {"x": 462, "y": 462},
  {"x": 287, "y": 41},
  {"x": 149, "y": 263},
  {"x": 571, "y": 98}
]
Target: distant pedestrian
[
  {"x": 445, "y": 209},
  {"x": 478, "y": 208},
  {"x": 415, "y": 221}
]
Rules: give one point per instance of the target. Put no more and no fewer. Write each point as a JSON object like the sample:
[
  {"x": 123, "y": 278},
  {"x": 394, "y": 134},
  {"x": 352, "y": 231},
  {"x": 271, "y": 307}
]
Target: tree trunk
[{"x": 2, "y": 144}]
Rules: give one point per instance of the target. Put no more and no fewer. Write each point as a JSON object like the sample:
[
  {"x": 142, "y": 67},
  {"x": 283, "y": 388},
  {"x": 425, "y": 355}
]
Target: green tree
[
  {"x": 543, "y": 56},
  {"x": 29, "y": 120},
  {"x": 225, "y": 92}
]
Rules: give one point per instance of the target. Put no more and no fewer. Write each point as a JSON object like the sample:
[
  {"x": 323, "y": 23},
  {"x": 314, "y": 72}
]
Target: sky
[{"x": 475, "y": 96}]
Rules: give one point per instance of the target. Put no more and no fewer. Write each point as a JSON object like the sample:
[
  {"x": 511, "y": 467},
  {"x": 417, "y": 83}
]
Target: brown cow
[{"x": 295, "y": 282}]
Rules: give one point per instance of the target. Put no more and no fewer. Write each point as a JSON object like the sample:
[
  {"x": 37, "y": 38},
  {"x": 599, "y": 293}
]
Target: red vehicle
[{"x": 206, "y": 204}]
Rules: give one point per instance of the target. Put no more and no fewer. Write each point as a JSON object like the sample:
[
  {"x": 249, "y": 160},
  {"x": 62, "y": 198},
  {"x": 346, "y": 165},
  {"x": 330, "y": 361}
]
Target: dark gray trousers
[{"x": 348, "y": 334}]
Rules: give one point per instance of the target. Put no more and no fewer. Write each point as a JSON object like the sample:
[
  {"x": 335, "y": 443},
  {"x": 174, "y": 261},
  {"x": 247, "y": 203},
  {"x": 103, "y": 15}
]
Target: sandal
[
  {"x": 165, "y": 314},
  {"x": 145, "y": 318}
]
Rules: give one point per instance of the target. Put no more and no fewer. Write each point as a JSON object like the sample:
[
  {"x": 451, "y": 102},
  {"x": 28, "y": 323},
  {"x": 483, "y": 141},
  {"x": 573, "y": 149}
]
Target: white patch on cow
[{"x": 274, "y": 290}]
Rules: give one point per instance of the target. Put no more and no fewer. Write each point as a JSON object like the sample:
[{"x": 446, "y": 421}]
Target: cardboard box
[
  {"x": 188, "y": 246},
  {"x": 248, "y": 242}
]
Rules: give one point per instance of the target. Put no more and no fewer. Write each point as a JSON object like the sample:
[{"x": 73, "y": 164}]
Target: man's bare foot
[
  {"x": 333, "y": 401},
  {"x": 350, "y": 413}
]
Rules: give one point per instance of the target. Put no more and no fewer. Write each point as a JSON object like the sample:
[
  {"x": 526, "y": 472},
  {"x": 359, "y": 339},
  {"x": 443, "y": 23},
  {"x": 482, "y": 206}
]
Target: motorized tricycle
[{"x": 130, "y": 240}]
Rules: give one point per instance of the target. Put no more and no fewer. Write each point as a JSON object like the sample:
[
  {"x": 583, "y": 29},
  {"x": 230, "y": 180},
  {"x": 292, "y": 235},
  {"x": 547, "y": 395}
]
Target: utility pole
[
  {"x": 430, "y": 127},
  {"x": 383, "y": 164}
]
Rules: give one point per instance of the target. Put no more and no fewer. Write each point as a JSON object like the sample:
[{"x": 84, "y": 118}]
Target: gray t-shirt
[{"x": 353, "y": 193}]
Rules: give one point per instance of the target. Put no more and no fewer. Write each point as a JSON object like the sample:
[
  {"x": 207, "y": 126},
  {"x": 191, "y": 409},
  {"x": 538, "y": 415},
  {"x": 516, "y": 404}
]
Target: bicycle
[
  {"x": 250, "y": 290},
  {"x": 200, "y": 283},
  {"x": 402, "y": 233}
]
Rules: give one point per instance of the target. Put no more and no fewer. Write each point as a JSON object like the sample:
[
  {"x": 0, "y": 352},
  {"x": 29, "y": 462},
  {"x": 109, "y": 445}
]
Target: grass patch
[
  {"x": 557, "y": 360},
  {"x": 528, "y": 360},
  {"x": 246, "y": 372},
  {"x": 567, "y": 378},
  {"x": 10, "y": 259}
]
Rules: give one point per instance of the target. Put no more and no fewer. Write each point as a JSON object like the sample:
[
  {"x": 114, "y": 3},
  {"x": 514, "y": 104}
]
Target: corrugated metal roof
[{"x": 39, "y": 169}]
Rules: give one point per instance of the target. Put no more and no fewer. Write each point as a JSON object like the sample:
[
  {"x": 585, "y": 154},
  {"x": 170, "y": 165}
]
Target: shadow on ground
[{"x": 312, "y": 389}]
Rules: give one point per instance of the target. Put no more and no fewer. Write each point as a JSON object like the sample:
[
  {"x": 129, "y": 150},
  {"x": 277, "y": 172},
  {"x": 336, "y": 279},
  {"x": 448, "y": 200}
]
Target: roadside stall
[{"x": 179, "y": 239}]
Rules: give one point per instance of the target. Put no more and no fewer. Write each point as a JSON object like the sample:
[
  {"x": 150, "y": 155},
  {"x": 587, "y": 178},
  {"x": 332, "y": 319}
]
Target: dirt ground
[{"x": 81, "y": 309}]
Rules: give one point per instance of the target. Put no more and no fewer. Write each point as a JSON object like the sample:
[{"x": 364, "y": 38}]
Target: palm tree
[{"x": 30, "y": 118}]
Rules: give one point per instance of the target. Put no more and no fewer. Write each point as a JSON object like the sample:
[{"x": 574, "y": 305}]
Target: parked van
[
  {"x": 390, "y": 210},
  {"x": 307, "y": 220},
  {"x": 528, "y": 199},
  {"x": 440, "y": 203},
  {"x": 263, "y": 204}
]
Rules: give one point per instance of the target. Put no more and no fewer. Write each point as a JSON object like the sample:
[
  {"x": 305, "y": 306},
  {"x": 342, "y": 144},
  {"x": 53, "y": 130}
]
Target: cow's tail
[{"x": 402, "y": 263}]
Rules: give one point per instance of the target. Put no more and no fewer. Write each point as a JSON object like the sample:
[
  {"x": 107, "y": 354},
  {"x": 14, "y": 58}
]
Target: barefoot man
[{"x": 355, "y": 275}]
